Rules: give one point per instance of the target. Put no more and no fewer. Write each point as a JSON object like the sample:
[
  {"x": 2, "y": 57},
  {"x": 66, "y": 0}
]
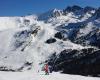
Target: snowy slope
[
  {"x": 27, "y": 42},
  {"x": 15, "y": 22},
  {"x": 19, "y": 43},
  {"x": 32, "y": 76}
]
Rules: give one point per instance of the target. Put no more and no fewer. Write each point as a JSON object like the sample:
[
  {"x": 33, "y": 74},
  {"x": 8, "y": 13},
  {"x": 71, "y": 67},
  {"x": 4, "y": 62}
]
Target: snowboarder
[{"x": 46, "y": 69}]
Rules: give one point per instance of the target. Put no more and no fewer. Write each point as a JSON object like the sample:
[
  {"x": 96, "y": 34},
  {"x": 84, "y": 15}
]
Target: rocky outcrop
[
  {"x": 51, "y": 40},
  {"x": 83, "y": 62}
]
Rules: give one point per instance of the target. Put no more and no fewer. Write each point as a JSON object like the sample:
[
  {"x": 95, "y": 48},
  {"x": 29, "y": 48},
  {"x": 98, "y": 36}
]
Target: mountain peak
[
  {"x": 73, "y": 8},
  {"x": 55, "y": 10},
  {"x": 88, "y": 8},
  {"x": 51, "y": 13},
  {"x": 97, "y": 13}
]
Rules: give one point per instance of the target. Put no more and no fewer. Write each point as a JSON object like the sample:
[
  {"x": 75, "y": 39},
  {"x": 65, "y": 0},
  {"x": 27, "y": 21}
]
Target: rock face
[
  {"x": 83, "y": 33},
  {"x": 83, "y": 62},
  {"x": 97, "y": 13},
  {"x": 51, "y": 40},
  {"x": 93, "y": 39},
  {"x": 87, "y": 9},
  {"x": 73, "y": 8}
]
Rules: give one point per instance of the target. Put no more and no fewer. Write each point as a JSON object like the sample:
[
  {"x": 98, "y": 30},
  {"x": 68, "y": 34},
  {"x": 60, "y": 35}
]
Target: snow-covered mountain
[{"x": 28, "y": 42}]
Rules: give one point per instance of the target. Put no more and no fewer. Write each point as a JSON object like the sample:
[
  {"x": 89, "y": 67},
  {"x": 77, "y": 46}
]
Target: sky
[{"x": 24, "y": 7}]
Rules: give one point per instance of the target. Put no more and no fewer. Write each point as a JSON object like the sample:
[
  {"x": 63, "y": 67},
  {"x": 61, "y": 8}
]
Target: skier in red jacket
[{"x": 46, "y": 69}]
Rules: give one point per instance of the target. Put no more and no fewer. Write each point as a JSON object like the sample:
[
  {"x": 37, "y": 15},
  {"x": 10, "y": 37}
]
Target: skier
[
  {"x": 50, "y": 69},
  {"x": 46, "y": 69}
]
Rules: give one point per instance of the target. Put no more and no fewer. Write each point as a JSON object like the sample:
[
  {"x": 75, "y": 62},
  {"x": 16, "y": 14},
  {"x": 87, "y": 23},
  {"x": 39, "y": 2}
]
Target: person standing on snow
[
  {"x": 46, "y": 69},
  {"x": 50, "y": 69}
]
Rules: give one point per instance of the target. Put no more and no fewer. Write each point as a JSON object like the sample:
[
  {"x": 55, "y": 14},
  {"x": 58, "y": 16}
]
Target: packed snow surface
[{"x": 42, "y": 76}]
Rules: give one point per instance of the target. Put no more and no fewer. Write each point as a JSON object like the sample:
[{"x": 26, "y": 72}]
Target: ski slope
[{"x": 34, "y": 76}]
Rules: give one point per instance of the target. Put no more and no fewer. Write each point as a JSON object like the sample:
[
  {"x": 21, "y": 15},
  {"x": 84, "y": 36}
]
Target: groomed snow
[{"x": 38, "y": 76}]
